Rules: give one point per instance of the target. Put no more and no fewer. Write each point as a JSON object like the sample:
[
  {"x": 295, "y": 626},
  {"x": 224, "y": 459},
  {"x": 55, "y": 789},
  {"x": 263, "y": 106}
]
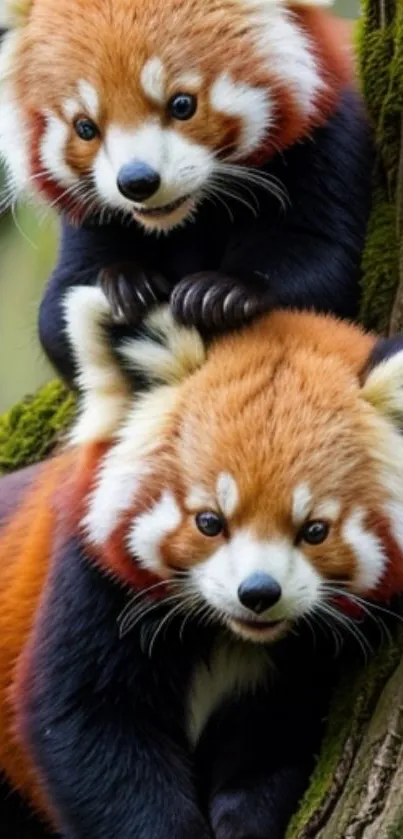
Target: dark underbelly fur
[
  {"x": 305, "y": 254},
  {"x": 105, "y": 722}
]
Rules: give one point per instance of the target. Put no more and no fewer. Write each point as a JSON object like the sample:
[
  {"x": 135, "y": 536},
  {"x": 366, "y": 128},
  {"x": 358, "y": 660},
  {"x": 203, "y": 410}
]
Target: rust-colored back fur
[
  {"x": 275, "y": 407},
  {"x": 25, "y": 544}
]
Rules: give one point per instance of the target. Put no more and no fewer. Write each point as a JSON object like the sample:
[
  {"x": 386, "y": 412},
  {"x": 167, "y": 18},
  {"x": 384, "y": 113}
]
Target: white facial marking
[
  {"x": 371, "y": 559},
  {"x": 52, "y": 149},
  {"x": 183, "y": 166},
  {"x": 251, "y": 105},
  {"x": 128, "y": 464},
  {"x": 189, "y": 81},
  {"x": 227, "y": 494},
  {"x": 286, "y": 50},
  {"x": 89, "y": 98},
  {"x": 71, "y": 108},
  {"x": 14, "y": 153},
  {"x": 85, "y": 104},
  {"x": 232, "y": 670},
  {"x": 150, "y": 529},
  {"x": 113, "y": 495},
  {"x": 199, "y": 498},
  {"x": 13, "y": 146},
  {"x": 153, "y": 80},
  {"x": 301, "y": 503},
  {"x": 219, "y": 577},
  {"x": 393, "y": 512},
  {"x": 328, "y": 509}
]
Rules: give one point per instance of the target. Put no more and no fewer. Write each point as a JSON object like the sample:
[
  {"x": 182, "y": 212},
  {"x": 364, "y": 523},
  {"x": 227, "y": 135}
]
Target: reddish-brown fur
[
  {"x": 275, "y": 405},
  {"x": 107, "y": 45},
  {"x": 239, "y": 389},
  {"x": 25, "y": 545}
]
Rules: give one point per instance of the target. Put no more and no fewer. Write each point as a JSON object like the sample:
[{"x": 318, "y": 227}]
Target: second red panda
[{"x": 211, "y": 501}]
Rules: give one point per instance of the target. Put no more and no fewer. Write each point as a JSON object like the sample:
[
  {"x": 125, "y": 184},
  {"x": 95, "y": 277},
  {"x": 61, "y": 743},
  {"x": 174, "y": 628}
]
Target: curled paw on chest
[
  {"x": 214, "y": 302},
  {"x": 132, "y": 290}
]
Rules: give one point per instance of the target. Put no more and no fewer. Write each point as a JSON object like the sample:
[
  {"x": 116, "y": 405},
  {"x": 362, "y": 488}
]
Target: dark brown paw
[
  {"x": 215, "y": 302},
  {"x": 132, "y": 290}
]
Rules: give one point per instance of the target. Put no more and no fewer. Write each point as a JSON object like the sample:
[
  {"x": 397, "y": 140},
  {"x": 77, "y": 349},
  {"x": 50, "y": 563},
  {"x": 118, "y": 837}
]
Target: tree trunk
[{"x": 356, "y": 791}]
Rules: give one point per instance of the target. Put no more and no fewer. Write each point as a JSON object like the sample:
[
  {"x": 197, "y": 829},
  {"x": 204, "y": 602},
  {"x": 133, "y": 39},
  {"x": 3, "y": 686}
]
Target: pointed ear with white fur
[
  {"x": 383, "y": 379},
  {"x": 116, "y": 364},
  {"x": 104, "y": 389}
]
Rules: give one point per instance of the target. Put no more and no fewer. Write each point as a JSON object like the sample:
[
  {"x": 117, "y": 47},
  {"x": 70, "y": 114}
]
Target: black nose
[
  {"x": 138, "y": 181},
  {"x": 259, "y": 592}
]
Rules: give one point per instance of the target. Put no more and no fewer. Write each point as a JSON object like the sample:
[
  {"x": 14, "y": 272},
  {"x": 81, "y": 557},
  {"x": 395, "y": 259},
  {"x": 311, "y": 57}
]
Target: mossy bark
[
  {"x": 381, "y": 66},
  {"x": 356, "y": 791},
  {"x": 31, "y": 430}
]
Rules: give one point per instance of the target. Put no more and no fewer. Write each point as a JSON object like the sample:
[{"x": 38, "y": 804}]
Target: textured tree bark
[
  {"x": 370, "y": 804},
  {"x": 357, "y": 789}
]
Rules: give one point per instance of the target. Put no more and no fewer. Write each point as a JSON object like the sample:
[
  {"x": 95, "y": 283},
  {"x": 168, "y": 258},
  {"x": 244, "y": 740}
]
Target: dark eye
[
  {"x": 182, "y": 106},
  {"x": 209, "y": 523},
  {"x": 314, "y": 532},
  {"x": 86, "y": 129}
]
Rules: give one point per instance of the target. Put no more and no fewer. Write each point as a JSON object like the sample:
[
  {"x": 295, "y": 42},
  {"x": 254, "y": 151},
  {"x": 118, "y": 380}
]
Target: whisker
[
  {"x": 211, "y": 194},
  {"x": 262, "y": 180},
  {"x": 234, "y": 195},
  {"x": 367, "y": 605},
  {"x": 163, "y": 623},
  {"x": 348, "y": 625},
  {"x": 141, "y": 610},
  {"x": 327, "y": 625}
]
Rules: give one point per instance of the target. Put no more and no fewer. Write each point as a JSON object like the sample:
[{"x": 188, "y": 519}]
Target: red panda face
[
  {"x": 275, "y": 519},
  {"x": 275, "y": 492},
  {"x": 148, "y": 108}
]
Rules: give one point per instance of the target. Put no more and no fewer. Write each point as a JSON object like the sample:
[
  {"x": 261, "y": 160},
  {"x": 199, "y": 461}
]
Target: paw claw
[
  {"x": 214, "y": 301},
  {"x": 132, "y": 290}
]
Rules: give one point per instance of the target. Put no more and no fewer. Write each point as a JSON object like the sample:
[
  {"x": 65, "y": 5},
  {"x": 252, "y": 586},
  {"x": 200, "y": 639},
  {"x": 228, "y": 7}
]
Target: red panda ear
[
  {"x": 116, "y": 368},
  {"x": 104, "y": 390},
  {"x": 159, "y": 356},
  {"x": 382, "y": 379}
]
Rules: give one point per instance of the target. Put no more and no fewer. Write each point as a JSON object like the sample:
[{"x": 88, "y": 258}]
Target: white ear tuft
[
  {"x": 383, "y": 388},
  {"x": 166, "y": 353},
  {"x": 105, "y": 391}
]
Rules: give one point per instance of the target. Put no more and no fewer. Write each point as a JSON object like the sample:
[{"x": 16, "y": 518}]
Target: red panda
[
  {"x": 230, "y": 126},
  {"x": 238, "y": 490}
]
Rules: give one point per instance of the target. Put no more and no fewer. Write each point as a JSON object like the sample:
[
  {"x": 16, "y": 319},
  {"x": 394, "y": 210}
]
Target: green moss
[
  {"x": 380, "y": 45},
  {"x": 380, "y": 48},
  {"x": 350, "y": 711},
  {"x": 395, "y": 831},
  {"x": 380, "y": 264},
  {"x": 30, "y": 430}
]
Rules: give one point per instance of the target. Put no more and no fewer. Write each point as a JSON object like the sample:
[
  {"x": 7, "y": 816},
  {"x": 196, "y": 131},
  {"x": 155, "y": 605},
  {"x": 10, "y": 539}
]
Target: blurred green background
[{"x": 27, "y": 253}]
